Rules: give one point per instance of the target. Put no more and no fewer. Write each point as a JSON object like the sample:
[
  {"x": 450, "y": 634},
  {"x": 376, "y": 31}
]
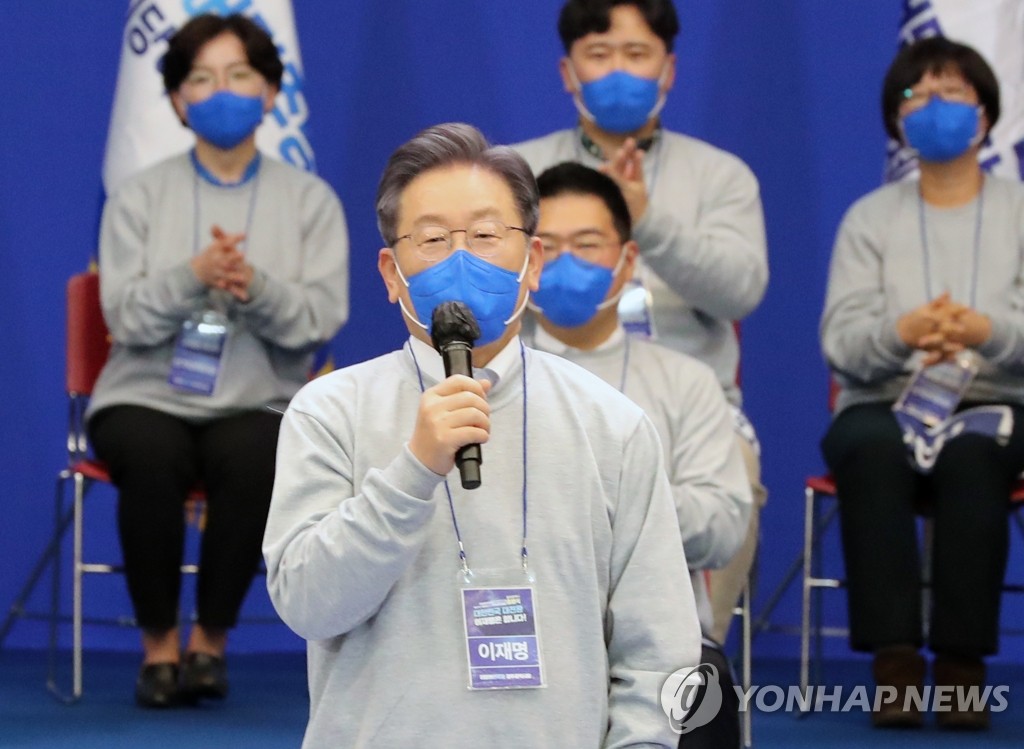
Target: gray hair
[{"x": 445, "y": 145}]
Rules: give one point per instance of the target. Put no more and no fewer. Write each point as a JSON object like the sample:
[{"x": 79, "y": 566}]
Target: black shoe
[
  {"x": 901, "y": 668},
  {"x": 157, "y": 685},
  {"x": 204, "y": 676},
  {"x": 963, "y": 675}
]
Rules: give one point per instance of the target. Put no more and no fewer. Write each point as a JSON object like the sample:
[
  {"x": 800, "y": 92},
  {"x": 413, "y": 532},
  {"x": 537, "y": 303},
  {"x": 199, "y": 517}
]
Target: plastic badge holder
[{"x": 934, "y": 392}]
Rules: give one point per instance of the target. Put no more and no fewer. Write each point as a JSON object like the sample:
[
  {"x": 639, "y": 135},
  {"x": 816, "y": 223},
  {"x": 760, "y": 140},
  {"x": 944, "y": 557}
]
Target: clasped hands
[
  {"x": 942, "y": 328},
  {"x": 221, "y": 265}
]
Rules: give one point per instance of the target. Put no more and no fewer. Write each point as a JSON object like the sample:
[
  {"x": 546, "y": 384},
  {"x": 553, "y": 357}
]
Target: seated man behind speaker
[
  {"x": 696, "y": 213},
  {"x": 589, "y": 258}
]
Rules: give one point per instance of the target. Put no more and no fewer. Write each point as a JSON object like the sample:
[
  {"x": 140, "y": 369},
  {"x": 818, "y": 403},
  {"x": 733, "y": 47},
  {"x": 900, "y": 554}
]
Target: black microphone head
[{"x": 453, "y": 321}]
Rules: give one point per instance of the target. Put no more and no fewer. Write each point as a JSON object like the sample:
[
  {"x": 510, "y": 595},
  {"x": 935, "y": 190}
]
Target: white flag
[
  {"x": 995, "y": 28},
  {"x": 143, "y": 126}
]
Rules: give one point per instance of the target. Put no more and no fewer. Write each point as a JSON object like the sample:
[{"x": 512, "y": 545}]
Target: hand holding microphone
[{"x": 454, "y": 416}]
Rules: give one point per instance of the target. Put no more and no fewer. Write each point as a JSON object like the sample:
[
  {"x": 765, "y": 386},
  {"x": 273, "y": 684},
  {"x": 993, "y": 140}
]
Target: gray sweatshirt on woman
[
  {"x": 296, "y": 240},
  {"x": 894, "y": 253}
]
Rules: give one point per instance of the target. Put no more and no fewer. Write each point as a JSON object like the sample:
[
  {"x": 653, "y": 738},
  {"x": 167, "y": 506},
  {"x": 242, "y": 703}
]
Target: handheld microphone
[{"x": 453, "y": 330}]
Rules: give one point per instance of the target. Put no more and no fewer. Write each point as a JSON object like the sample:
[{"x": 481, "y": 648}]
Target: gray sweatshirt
[
  {"x": 683, "y": 399},
  {"x": 152, "y": 227},
  {"x": 879, "y": 272},
  {"x": 702, "y": 244},
  {"x": 362, "y": 560}
]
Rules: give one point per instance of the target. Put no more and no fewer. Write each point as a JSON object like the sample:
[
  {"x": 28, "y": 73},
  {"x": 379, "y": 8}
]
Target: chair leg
[
  {"x": 820, "y": 524},
  {"x": 77, "y": 522},
  {"x": 49, "y": 558},
  {"x": 762, "y": 622},
  {"x": 747, "y": 727},
  {"x": 805, "y": 609},
  {"x": 77, "y": 589},
  {"x": 62, "y": 519}
]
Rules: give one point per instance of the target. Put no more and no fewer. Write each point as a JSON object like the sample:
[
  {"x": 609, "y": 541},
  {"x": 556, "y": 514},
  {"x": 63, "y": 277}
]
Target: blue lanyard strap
[
  {"x": 250, "y": 171},
  {"x": 978, "y": 213},
  {"x": 463, "y": 559},
  {"x": 625, "y": 366},
  {"x": 251, "y": 175}
]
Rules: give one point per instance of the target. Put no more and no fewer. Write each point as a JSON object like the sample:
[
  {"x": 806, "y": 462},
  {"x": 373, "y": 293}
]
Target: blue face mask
[
  {"x": 572, "y": 290},
  {"x": 489, "y": 291},
  {"x": 941, "y": 130},
  {"x": 621, "y": 102},
  {"x": 225, "y": 119}
]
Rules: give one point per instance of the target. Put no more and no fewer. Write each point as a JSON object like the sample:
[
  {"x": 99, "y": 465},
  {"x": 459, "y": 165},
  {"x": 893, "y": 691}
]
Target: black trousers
[
  {"x": 879, "y": 492},
  {"x": 723, "y": 732},
  {"x": 154, "y": 460}
]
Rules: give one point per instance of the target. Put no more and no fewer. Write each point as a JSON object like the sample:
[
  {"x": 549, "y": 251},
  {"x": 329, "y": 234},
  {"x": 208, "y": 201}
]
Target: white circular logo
[{"x": 691, "y": 697}]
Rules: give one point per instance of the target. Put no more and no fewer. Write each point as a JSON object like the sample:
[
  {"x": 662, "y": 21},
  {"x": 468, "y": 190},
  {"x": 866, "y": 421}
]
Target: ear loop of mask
[
  {"x": 577, "y": 94},
  {"x": 662, "y": 94},
  {"x": 980, "y": 135},
  {"x": 526, "y": 297},
  {"x": 614, "y": 299},
  {"x": 412, "y": 318}
]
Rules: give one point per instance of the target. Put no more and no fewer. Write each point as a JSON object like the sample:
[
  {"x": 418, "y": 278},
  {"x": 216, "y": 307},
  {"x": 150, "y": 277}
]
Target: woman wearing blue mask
[
  {"x": 926, "y": 282},
  {"x": 221, "y": 273}
]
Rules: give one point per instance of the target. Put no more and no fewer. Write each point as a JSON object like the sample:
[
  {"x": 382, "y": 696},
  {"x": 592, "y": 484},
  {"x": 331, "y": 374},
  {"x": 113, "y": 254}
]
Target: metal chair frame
[
  {"x": 743, "y": 610},
  {"x": 88, "y": 346},
  {"x": 816, "y": 523}
]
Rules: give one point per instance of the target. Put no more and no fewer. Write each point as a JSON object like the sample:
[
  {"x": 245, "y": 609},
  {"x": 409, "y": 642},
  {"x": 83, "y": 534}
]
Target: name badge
[
  {"x": 502, "y": 639},
  {"x": 933, "y": 393},
  {"x": 926, "y": 411},
  {"x": 198, "y": 352},
  {"x": 636, "y": 310}
]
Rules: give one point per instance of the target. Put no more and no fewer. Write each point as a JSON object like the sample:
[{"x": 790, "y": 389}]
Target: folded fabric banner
[
  {"x": 925, "y": 443},
  {"x": 143, "y": 126}
]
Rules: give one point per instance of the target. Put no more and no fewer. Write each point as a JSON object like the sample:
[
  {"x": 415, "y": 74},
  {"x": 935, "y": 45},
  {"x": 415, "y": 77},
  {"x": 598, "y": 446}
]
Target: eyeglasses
[
  {"x": 602, "y": 51},
  {"x": 239, "y": 77},
  {"x": 952, "y": 91},
  {"x": 483, "y": 238},
  {"x": 586, "y": 245}
]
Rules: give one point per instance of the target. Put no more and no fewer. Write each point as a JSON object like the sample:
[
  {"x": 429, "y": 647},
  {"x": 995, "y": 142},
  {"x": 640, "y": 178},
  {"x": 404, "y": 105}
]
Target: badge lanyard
[
  {"x": 463, "y": 559},
  {"x": 625, "y": 367},
  {"x": 926, "y": 410},
  {"x": 927, "y": 253},
  {"x": 201, "y": 343},
  {"x": 251, "y": 174}
]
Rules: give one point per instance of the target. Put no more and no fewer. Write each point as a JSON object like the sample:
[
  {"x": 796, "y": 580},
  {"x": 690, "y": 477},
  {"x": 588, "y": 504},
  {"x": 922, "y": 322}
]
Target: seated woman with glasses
[
  {"x": 221, "y": 273},
  {"x": 926, "y": 282}
]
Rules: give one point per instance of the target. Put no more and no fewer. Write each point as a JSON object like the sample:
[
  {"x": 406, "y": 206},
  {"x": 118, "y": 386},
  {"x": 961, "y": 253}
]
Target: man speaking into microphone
[{"x": 544, "y": 608}]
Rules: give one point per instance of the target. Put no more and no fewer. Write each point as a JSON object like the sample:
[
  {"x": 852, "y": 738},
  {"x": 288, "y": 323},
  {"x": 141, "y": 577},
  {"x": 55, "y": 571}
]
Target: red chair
[
  {"x": 88, "y": 346},
  {"x": 816, "y": 521},
  {"x": 87, "y": 349}
]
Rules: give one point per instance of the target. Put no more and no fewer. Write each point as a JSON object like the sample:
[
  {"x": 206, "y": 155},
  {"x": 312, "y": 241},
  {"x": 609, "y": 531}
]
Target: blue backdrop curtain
[{"x": 791, "y": 86}]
